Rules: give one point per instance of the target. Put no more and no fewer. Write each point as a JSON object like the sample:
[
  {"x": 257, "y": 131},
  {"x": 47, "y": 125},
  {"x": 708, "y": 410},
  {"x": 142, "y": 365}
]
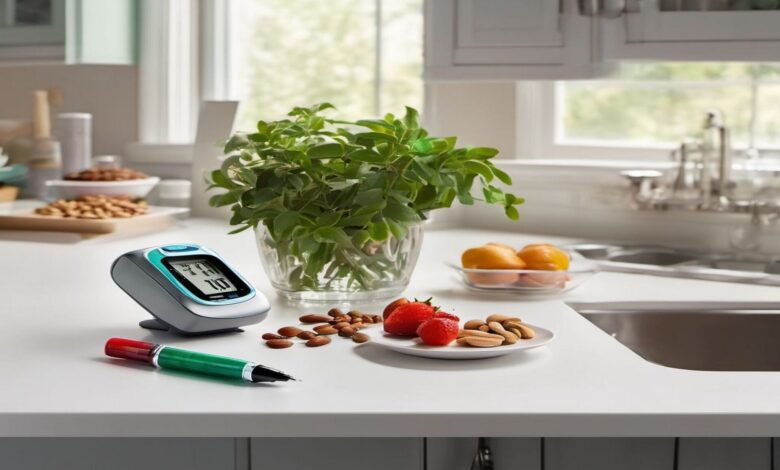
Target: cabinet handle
[
  {"x": 602, "y": 8},
  {"x": 483, "y": 460}
]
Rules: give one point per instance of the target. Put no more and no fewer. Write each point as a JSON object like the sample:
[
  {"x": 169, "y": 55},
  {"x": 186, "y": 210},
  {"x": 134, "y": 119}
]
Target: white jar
[{"x": 74, "y": 131}]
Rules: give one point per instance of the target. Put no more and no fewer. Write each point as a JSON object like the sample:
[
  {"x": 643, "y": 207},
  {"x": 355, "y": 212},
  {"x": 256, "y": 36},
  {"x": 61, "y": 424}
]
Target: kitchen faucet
[
  {"x": 703, "y": 175},
  {"x": 703, "y": 182}
]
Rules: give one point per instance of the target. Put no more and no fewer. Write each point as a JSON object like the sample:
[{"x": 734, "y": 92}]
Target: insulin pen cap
[{"x": 130, "y": 349}]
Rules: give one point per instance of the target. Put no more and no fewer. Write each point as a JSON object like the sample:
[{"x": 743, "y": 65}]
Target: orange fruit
[
  {"x": 500, "y": 245},
  {"x": 491, "y": 257},
  {"x": 544, "y": 257}
]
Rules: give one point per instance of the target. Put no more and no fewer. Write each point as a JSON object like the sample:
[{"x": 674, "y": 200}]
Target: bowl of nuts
[{"x": 103, "y": 181}]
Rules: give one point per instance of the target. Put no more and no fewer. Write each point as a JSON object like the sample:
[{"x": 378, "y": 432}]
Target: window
[
  {"x": 645, "y": 109},
  {"x": 364, "y": 56}
]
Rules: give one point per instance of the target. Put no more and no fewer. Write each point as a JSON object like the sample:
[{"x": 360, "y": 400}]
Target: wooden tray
[{"x": 157, "y": 217}]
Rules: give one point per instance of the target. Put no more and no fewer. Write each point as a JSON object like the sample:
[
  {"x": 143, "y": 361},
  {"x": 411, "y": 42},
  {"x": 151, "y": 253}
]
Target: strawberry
[
  {"x": 446, "y": 315},
  {"x": 438, "y": 331},
  {"x": 393, "y": 305},
  {"x": 405, "y": 319}
]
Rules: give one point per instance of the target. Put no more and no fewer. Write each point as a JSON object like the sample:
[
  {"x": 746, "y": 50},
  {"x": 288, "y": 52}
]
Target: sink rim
[{"x": 683, "y": 339}]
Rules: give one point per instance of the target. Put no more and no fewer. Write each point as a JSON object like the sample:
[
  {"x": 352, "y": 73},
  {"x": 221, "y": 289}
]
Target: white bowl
[{"x": 69, "y": 189}]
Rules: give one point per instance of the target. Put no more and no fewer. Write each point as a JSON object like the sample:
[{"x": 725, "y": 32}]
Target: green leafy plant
[{"x": 329, "y": 192}]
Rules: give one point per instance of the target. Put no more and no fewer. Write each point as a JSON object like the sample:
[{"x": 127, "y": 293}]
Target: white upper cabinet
[
  {"x": 505, "y": 39},
  {"x": 69, "y": 31},
  {"x": 691, "y": 30},
  {"x": 562, "y": 39}
]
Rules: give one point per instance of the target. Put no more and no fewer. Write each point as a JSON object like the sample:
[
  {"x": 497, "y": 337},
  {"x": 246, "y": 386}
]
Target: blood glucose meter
[{"x": 188, "y": 289}]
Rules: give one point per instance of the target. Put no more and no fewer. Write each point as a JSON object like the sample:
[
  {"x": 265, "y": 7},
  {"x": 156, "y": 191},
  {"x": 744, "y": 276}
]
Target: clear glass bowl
[
  {"x": 374, "y": 271},
  {"x": 528, "y": 281}
]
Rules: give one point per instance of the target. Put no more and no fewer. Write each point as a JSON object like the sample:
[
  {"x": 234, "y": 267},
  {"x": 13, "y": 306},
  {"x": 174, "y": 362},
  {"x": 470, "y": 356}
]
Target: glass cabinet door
[{"x": 32, "y": 22}]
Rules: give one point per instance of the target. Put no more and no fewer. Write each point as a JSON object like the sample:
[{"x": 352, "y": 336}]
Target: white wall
[
  {"x": 109, "y": 92},
  {"x": 480, "y": 114}
]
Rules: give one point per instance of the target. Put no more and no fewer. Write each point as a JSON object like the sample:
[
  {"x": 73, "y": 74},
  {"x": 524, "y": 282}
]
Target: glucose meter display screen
[{"x": 204, "y": 276}]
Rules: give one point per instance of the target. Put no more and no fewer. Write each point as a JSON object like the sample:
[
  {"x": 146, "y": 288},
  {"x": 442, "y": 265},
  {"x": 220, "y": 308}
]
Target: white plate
[
  {"x": 67, "y": 189},
  {"x": 414, "y": 347}
]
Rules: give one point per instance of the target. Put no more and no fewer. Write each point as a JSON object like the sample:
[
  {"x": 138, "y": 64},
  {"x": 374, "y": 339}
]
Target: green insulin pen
[{"x": 166, "y": 357}]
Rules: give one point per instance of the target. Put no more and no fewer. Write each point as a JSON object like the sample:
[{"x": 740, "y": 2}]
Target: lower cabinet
[
  {"x": 725, "y": 454},
  {"x": 337, "y": 454},
  {"x": 43, "y": 453},
  {"x": 608, "y": 453},
  {"x": 387, "y": 453}
]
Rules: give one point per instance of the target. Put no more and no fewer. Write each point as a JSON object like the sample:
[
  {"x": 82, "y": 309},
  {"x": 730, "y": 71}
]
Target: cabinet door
[
  {"x": 691, "y": 30},
  {"x": 503, "y": 39},
  {"x": 725, "y": 453},
  {"x": 117, "y": 453},
  {"x": 609, "y": 453},
  {"x": 336, "y": 454},
  {"x": 70, "y": 31},
  {"x": 28, "y": 22}
]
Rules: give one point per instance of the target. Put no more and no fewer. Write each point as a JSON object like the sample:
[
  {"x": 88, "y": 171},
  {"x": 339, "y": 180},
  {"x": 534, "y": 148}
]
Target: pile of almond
[
  {"x": 95, "y": 207},
  {"x": 106, "y": 174},
  {"x": 495, "y": 330},
  {"x": 336, "y": 322}
]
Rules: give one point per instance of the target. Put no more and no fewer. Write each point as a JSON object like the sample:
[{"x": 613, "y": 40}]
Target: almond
[
  {"x": 335, "y": 312},
  {"x": 318, "y": 341},
  {"x": 357, "y": 326},
  {"x": 509, "y": 337},
  {"x": 480, "y": 342},
  {"x": 360, "y": 337},
  {"x": 367, "y": 319},
  {"x": 307, "y": 335},
  {"x": 341, "y": 324},
  {"x": 511, "y": 324},
  {"x": 347, "y": 331},
  {"x": 355, "y": 314},
  {"x": 484, "y": 328},
  {"x": 500, "y": 318},
  {"x": 312, "y": 318},
  {"x": 526, "y": 331},
  {"x": 473, "y": 324},
  {"x": 267, "y": 336},
  {"x": 289, "y": 331},
  {"x": 478, "y": 334},
  {"x": 325, "y": 330},
  {"x": 377, "y": 318},
  {"x": 278, "y": 343}
]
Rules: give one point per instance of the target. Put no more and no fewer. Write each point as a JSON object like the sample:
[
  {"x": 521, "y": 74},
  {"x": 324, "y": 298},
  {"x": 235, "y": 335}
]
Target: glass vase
[{"x": 373, "y": 271}]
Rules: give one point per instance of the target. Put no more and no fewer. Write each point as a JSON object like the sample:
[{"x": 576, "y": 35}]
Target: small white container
[
  {"x": 66, "y": 189},
  {"x": 74, "y": 131}
]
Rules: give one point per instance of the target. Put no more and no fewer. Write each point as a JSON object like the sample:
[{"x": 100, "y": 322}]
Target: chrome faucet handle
[{"x": 643, "y": 183}]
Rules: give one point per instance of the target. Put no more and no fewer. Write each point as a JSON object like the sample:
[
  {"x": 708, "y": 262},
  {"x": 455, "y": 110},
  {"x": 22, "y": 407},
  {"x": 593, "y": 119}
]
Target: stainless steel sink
[
  {"x": 707, "y": 340},
  {"x": 653, "y": 257},
  {"x": 666, "y": 261}
]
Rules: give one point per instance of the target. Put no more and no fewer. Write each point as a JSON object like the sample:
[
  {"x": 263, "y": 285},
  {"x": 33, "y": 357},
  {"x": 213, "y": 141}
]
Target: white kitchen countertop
[{"x": 59, "y": 306}]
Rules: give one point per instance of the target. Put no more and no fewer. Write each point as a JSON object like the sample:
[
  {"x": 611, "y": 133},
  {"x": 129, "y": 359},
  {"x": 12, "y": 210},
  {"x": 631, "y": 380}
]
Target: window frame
[{"x": 537, "y": 139}]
